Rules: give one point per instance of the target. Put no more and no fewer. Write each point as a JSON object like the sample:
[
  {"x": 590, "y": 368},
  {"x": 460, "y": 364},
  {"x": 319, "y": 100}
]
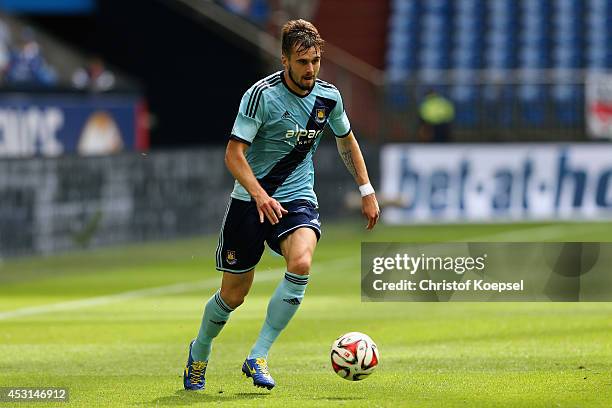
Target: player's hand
[
  {"x": 269, "y": 208},
  {"x": 370, "y": 210}
]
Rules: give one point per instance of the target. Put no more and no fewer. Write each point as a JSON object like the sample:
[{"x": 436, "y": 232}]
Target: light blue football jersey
[{"x": 283, "y": 130}]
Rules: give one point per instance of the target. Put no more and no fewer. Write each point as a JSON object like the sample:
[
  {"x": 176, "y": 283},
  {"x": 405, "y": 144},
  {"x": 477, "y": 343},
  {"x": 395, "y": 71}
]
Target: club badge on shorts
[{"x": 230, "y": 257}]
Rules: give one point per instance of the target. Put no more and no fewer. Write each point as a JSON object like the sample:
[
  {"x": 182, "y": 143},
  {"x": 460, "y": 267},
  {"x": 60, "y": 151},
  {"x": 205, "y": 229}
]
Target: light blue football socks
[
  {"x": 216, "y": 314},
  {"x": 284, "y": 303},
  {"x": 282, "y": 306}
]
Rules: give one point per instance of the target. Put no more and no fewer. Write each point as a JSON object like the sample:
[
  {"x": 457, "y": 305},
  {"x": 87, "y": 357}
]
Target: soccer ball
[{"x": 354, "y": 356}]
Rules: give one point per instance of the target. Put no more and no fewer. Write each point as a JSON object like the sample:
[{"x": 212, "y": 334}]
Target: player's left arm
[{"x": 349, "y": 151}]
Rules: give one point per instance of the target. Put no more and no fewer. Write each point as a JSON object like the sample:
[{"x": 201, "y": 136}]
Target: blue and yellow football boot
[
  {"x": 257, "y": 368},
  {"x": 193, "y": 376}
]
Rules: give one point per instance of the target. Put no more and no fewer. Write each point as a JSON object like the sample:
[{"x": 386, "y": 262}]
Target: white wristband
[{"x": 366, "y": 189}]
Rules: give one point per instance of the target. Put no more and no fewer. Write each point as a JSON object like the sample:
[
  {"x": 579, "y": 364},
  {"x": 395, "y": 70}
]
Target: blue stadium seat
[
  {"x": 434, "y": 24},
  {"x": 397, "y": 95},
  {"x": 533, "y": 108},
  {"x": 572, "y": 23},
  {"x": 535, "y": 6},
  {"x": 572, "y": 39},
  {"x": 599, "y": 60},
  {"x": 499, "y": 39},
  {"x": 435, "y": 42},
  {"x": 404, "y": 7},
  {"x": 534, "y": 58},
  {"x": 498, "y": 105},
  {"x": 465, "y": 97},
  {"x": 500, "y": 59},
  {"x": 439, "y": 7},
  {"x": 433, "y": 59},
  {"x": 569, "y": 7},
  {"x": 567, "y": 57},
  {"x": 468, "y": 25},
  {"x": 431, "y": 76},
  {"x": 569, "y": 103}
]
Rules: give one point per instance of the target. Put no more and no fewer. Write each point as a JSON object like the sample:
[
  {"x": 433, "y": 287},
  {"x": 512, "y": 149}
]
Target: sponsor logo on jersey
[
  {"x": 304, "y": 139},
  {"x": 286, "y": 115},
  {"x": 303, "y": 133}
]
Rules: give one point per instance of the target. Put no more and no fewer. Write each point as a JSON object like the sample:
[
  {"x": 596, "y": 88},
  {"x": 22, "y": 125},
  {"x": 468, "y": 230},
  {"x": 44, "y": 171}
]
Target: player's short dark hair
[{"x": 301, "y": 33}]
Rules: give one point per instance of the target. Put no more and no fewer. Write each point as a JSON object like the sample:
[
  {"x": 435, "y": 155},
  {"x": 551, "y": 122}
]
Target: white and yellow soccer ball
[{"x": 354, "y": 356}]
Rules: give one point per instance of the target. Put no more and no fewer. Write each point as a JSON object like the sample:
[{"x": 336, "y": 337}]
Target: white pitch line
[
  {"x": 538, "y": 233},
  {"x": 156, "y": 291}
]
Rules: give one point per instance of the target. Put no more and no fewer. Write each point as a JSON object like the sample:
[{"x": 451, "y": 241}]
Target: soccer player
[{"x": 278, "y": 127}]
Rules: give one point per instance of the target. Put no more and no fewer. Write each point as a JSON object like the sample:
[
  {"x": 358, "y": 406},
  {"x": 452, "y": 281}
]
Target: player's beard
[{"x": 302, "y": 87}]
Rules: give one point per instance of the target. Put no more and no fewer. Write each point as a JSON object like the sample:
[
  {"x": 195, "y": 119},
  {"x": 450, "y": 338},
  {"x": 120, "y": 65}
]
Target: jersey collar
[{"x": 282, "y": 75}]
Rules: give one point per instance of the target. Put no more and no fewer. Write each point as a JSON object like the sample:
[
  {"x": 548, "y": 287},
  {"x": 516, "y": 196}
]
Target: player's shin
[
  {"x": 216, "y": 315},
  {"x": 282, "y": 306}
]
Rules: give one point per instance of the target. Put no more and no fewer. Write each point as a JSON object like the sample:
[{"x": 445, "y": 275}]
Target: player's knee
[
  {"x": 300, "y": 265},
  {"x": 233, "y": 298}
]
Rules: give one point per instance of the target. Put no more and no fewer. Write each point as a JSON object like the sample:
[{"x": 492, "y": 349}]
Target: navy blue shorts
[{"x": 242, "y": 237}]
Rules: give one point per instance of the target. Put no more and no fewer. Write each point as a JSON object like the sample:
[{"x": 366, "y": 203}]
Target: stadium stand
[
  {"x": 521, "y": 59},
  {"x": 22, "y": 60},
  {"x": 527, "y": 34},
  {"x": 32, "y": 59}
]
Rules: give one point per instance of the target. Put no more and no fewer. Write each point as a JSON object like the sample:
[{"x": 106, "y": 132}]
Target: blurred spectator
[
  {"x": 240, "y": 7},
  {"x": 299, "y": 8},
  {"x": 436, "y": 114},
  {"x": 5, "y": 50},
  {"x": 284, "y": 10},
  {"x": 94, "y": 77},
  {"x": 255, "y": 10},
  {"x": 5, "y": 32},
  {"x": 27, "y": 65}
]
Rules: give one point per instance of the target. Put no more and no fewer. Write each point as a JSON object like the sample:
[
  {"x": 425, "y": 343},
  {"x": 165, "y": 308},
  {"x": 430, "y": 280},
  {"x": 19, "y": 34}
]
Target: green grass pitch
[{"x": 113, "y": 326}]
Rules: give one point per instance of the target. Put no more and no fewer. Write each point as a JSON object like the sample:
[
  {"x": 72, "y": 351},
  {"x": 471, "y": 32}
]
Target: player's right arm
[
  {"x": 237, "y": 164},
  {"x": 251, "y": 115}
]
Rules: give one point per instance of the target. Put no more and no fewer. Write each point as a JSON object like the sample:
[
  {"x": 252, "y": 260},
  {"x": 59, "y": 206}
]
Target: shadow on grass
[{"x": 184, "y": 397}]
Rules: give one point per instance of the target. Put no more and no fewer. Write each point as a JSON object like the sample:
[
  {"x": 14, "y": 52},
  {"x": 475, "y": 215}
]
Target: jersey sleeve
[
  {"x": 338, "y": 121},
  {"x": 249, "y": 118}
]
